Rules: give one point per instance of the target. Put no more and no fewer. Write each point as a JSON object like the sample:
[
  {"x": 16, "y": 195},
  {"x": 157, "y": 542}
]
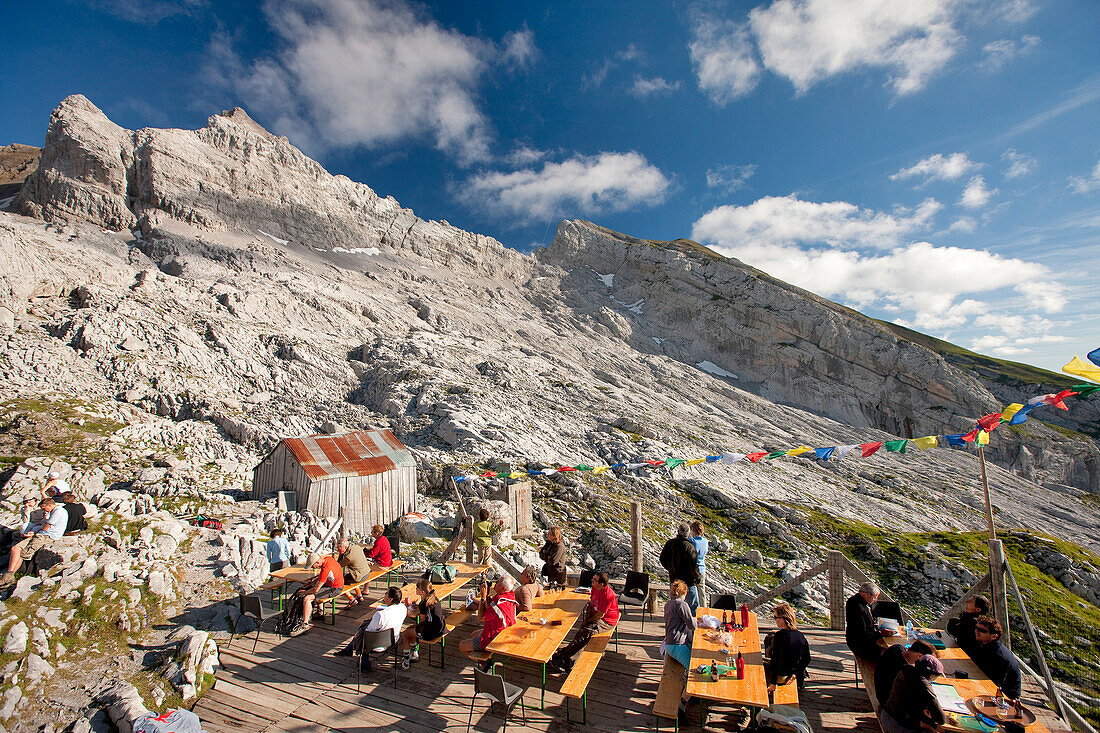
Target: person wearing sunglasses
[{"x": 994, "y": 659}]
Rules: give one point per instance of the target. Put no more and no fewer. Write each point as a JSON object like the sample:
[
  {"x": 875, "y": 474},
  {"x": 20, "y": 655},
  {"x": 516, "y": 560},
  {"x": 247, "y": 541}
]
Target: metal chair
[
  {"x": 636, "y": 592},
  {"x": 253, "y": 607},
  {"x": 497, "y": 690},
  {"x": 586, "y": 579},
  {"x": 887, "y": 609},
  {"x": 725, "y": 603},
  {"x": 369, "y": 641}
]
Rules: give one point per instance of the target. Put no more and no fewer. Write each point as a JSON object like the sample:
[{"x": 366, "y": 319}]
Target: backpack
[
  {"x": 291, "y": 616},
  {"x": 440, "y": 573}
]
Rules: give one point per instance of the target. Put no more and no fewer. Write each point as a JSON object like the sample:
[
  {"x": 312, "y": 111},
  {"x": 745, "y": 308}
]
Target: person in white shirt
[
  {"x": 54, "y": 485},
  {"x": 391, "y": 615},
  {"x": 37, "y": 537}
]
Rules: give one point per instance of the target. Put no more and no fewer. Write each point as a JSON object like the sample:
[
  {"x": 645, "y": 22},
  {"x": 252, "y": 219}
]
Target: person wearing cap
[
  {"x": 37, "y": 536},
  {"x": 54, "y": 485},
  {"x": 912, "y": 704},
  {"x": 329, "y": 580},
  {"x": 893, "y": 659}
]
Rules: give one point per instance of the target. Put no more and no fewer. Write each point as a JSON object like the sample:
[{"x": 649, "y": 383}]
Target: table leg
[{"x": 543, "y": 703}]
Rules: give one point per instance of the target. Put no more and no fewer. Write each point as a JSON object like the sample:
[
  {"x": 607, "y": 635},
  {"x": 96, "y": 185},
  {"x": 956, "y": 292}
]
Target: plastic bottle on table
[
  {"x": 744, "y": 615},
  {"x": 740, "y": 666},
  {"x": 909, "y": 635}
]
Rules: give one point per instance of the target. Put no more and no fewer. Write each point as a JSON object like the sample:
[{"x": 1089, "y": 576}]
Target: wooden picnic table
[
  {"x": 954, "y": 659},
  {"x": 443, "y": 591},
  {"x": 530, "y": 640},
  {"x": 751, "y": 691},
  {"x": 295, "y": 574}
]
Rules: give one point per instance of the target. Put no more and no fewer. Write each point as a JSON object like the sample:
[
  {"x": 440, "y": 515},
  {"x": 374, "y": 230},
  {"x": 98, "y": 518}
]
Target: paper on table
[{"x": 950, "y": 699}]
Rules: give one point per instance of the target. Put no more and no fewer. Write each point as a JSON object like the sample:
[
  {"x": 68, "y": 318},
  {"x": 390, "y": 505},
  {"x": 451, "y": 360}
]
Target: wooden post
[
  {"x": 636, "y": 536},
  {"x": 985, "y": 489},
  {"x": 343, "y": 524},
  {"x": 1051, "y": 692},
  {"x": 1000, "y": 596},
  {"x": 835, "y": 563},
  {"x": 468, "y": 531}
]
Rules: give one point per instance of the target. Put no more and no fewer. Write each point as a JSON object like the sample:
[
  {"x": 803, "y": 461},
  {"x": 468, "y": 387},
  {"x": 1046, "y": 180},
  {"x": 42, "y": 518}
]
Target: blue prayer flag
[
  {"x": 1094, "y": 356},
  {"x": 956, "y": 439},
  {"x": 823, "y": 454}
]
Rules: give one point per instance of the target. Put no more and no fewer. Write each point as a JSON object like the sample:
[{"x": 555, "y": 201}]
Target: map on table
[{"x": 950, "y": 699}]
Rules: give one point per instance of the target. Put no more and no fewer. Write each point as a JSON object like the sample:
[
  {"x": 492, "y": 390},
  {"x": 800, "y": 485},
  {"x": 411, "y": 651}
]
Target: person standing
[
  {"x": 483, "y": 536},
  {"x": 702, "y": 545},
  {"x": 790, "y": 652},
  {"x": 860, "y": 632},
  {"x": 679, "y": 558},
  {"x": 601, "y": 614},
  {"x": 553, "y": 554},
  {"x": 278, "y": 551}
]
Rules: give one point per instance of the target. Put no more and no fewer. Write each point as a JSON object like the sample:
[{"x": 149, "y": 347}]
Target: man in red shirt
[
  {"x": 498, "y": 612},
  {"x": 329, "y": 580},
  {"x": 381, "y": 554},
  {"x": 601, "y": 614}
]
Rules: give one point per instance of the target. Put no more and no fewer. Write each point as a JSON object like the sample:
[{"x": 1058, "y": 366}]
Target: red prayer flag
[
  {"x": 988, "y": 422},
  {"x": 655, "y": 463},
  {"x": 1055, "y": 400},
  {"x": 969, "y": 437},
  {"x": 870, "y": 448},
  {"x": 566, "y": 468},
  {"x": 754, "y": 457},
  {"x": 488, "y": 474}
]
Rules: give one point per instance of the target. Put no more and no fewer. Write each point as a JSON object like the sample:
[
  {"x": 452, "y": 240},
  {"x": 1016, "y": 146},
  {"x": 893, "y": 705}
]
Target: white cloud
[
  {"x": 1085, "y": 184},
  {"x": 520, "y": 50},
  {"x": 366, "y": 72},
  {"x": 836, "y": 250},
  {"x": 642, "y": 87},
  {"x": 730, "y": 178},
  {"x": 783, "y": 220},
  {"x": 976, "y": 195},
  {"x": 148, "y": 12},
  {"x": 524, "y": 155},
  {"x": 938, "y": 167},
  {"x": 1019, "y": 164},
  {"x": 996, "y": 54},
  {"x": 724, "y": 60},
  {"x": 588, "y": 185},
  {"x": 963, "y": 224},
  {"x": 596, "y": 78}
]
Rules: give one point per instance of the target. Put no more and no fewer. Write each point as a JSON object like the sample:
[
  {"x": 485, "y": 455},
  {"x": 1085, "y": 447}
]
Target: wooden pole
[
  {"x": 636, "y": 536},
  {"x": 1000, "y": 595},
  {"x": 1051, "y": 692},
  {"x": 835, "y": 563},
  {"x": 985, "y": 488},
  {"x": 343, "y": 524},
  {"x": 468, "y": 531}
]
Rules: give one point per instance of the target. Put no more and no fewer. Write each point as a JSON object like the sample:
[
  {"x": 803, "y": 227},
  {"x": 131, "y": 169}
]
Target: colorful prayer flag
[
  {"x": 957, "y": 440},
  {"x": 823, "y": 454},
  {"x": 870, "y": 448},
  {"x": 1094, "y": 356},
  {"x": 1083, "y": 369},
  {"x": 732, "y": 457},
  {"x": 1084, "y": 390},
  {"x": 1010, "y": 411},
  {"x": 845, "y": 450},
  {"x": 754, "y": 457},
  {"x": 926, "y": 442},
  {"x": 969, "y": 437},
  {"x": 695, "y": 461},
  {"x": 988, "y": 422},
  {"x": 896, "y": 446},
  {"x": 983, "y": 437},
  {"x": 799, "y": 450},
  {"x": 671, "y": 463},
  {"x": 775, "y": 454}
]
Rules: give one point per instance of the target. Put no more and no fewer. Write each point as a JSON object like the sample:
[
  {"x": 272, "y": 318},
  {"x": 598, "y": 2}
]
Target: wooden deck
[{"x": 297, "y": 685}]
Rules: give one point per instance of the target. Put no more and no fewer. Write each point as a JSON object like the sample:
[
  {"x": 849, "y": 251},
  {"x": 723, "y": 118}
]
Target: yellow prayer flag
[
  {"x": 799, "y": 450},
  {"x": 983, "y": 437},
  {"x": 929, "y": 441},
  {"x": 695, "y": 461},
  {"x": 1079, "y": 368},
  {"x": 518, "y": 474},
  {"x": 600, "y": 469},
  {"x": 1010, "y": 411}
]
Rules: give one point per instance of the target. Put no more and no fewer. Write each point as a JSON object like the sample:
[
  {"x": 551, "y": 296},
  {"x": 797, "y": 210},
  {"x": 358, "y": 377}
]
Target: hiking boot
[
  {"x": 7, "y": 579},
  {"x": 415, "y": 656},
  {"x": 345, "y": 652},
  {"x": 299, "y": 629},
  {"x": 404, "y": 661},
  {"x": 364, "y": 664}
]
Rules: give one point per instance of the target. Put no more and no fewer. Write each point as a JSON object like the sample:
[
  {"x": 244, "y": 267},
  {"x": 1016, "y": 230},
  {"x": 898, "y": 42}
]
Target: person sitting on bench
[
  {"x": 497, "y": 612},
  {"x": 355, "y": 564},
  {"x": 912, "y": 704},
  {"x": 790, "y": 652},
  {"x": 891, "y": 662},
  {"x": 430, "y": 622},
  {"x": 962, "y": 626},
  {"x": 381, "y": 554},
  {"x": 529, "y": 588},
  {"x": 391, "y": 615},
  {"x": 601, "y": 614},
  {"x": 329, "y": 576},
  {"x": 994, "y": 659}
]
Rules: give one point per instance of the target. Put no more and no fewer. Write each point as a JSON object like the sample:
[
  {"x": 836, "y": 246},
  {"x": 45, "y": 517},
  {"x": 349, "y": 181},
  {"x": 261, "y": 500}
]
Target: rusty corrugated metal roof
[{"x": 361, "y": 453}]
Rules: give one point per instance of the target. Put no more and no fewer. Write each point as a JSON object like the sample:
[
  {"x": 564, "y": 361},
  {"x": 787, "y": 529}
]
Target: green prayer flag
[
  {"x": 776, "y": 454},
  {"x": 673, "y": 462},
  {"x": 583, "y": 467},
  {"x": 1084, "y": 390},
  {"x": 896, "y": 446}
]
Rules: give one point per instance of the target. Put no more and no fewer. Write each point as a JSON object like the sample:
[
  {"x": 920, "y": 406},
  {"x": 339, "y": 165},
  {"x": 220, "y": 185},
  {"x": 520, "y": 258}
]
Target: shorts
[
  {"x": 279, "y": 565},
  {"x": 327, "y": 592},
  {"x": 34, "y": 544}
]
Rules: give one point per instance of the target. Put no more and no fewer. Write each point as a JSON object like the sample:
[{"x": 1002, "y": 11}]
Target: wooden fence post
[
  {"x": 636, "y": 536},
  {"x": 835, "y": 562},
  {"x": 468, "y": 531},
  {"x": 1000, "y": 593}
]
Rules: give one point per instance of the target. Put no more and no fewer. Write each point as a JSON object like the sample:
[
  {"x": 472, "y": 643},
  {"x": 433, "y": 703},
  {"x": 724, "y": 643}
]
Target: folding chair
[
  {"x": 725, "y": 603},
  {"x": 369, "y": 641},
  {"x": 635, "y": 593},
  {"x": 497, "y": 690},
  {"x": 586, "y": 579},
  {"x": 253, "y": 607}
]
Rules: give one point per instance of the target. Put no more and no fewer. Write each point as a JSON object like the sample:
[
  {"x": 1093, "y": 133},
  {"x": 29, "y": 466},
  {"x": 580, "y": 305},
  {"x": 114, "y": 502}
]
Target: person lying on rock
[
  {"x": 328, "y": 582},
  {"x": 38, "y": 536}
]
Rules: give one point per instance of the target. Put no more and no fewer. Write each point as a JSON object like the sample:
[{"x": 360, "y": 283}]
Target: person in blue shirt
[
  {"x": 701, "y": 546},
  {"x": 278, "y": 551}
]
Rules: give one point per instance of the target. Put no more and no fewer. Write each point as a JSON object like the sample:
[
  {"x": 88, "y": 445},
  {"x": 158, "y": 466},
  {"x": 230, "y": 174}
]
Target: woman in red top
[{"x": 380, "y": 554}]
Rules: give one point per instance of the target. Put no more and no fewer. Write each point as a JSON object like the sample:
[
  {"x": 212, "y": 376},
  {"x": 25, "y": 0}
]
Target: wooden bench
[
  {"x": 669, "y": 692},
  {"x": 350, "y": 588},
  {"x": 576, "y": 684},
  {"x": 452, "y": 622},
  {"x": 867, "y": 672},
  {"x": 787, "y": 693}
]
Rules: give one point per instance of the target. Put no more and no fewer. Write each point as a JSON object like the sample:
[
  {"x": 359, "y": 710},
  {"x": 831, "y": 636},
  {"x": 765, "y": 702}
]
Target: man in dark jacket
[
  {"x": 860, "y": 632},
  {"x": 962, "y": 627},
  {"x": 994, "y": 659},
  {"x": 680, "y": 559},
  {"x": 893, "y": 659}
]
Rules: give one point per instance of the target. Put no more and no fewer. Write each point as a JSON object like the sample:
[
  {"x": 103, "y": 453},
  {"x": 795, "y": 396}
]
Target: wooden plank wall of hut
[{"x": 268, "y": 474}]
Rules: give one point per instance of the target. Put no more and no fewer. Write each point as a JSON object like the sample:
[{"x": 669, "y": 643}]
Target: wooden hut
[{"x": 368, "y": 472}]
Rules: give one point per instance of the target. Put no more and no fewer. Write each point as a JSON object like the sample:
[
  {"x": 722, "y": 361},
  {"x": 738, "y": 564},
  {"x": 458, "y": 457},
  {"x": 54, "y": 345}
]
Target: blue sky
[{"x": 936, "y": 163}]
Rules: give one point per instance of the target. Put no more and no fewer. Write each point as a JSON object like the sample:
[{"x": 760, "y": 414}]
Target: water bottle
[{"x": 909, "y": 635}]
